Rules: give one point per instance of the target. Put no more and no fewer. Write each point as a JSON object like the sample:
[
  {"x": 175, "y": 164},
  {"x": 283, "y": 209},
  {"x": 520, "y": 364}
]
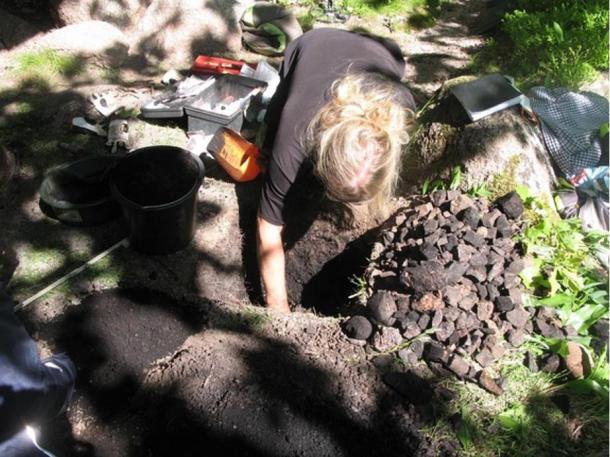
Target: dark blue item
[{"x": 31, "y": 389}]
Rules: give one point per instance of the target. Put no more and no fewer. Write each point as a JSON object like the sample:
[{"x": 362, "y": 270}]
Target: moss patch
[{"x": 506, "y": 181}]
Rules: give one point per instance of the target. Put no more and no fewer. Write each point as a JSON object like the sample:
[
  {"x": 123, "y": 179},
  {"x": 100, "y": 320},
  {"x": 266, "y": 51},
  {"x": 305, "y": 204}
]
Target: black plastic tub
[
  {"x": 157, "y": 189},
  {"x": 77, "y": 193}
]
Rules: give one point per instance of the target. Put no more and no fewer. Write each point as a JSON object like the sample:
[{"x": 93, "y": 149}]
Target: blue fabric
[
  {"x": 31, "y": 390},
  {"x": 20, "y": 445}
]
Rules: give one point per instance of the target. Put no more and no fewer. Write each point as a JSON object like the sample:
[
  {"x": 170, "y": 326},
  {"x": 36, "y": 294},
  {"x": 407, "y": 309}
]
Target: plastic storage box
[{"x": 222, "y": 104}]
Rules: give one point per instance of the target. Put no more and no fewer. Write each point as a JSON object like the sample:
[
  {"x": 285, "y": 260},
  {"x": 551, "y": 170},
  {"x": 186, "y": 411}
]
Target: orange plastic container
[
  {"x": 236, "y": 155},
  {"x": 216, "y": 65}
]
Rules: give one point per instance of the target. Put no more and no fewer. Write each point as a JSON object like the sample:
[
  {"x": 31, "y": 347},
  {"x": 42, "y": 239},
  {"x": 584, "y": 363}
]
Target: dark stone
[
  {"x": 435, "y": 352},
  {"x": 516, "y": 337},
  {"x": 530, "y": 362},
  {"x": 472, "y": 321},
  {"x": 453, "y": 294},
  {"x": 494, "y": 271},
  {"x": 463, "y": 253},
  {"x": 468, "y": 302},
  {"x": 494, "y": 258},
  {"x": 439, "y": 370},
  {"x": 383, "y": 361},
  {"x": 548, "y": 330},
  {"x": 477, "y": 274},
  {"x": 551, "y": 363},
  {"x": 478, "y": 260},
  {"x": 492, "y": 232},
  {"x": 452, "y": 242},
  {"x": 492, "y": 292},
  {"x": 461, "y": 322},
  {"x": 430, "y": 226},
  {"x": 413, "y": 316},
  {"x": 489, "y": 384},
  {"x": 423, "y": 210},
  {"x": 358, "y": 328},
  {"x": 423, "y": 321},
  {"x": 438, "y": 197},
  {"x": 407, "y": 356},
  {"x": 413, "y": 388},
  {"x": 489, "y": 341},
  {"x": 516, "y": 266},
  {"x": 481, "y": 291},
  {"x": 489, "y": 219},
  {"x": 454, "y": 339},
  {"x": 484, "y": 310},
  {"x": 428, "y": 276},
  {"x": 504, "y": 304},
  {"x": 403, "y": 302},
  {"x": 451, "y": 314},
  {"x": 497, "y": 351},
  {"x": 411, "y": 330},
  {"x": 453, "y": 194},
  {"x": 475, "y": 343},
  {"x": 473, "y": 238},
  {"x": 437, "y": 318},
  {"x": 428, "y": 251},
  {"x": 505, "y": 229},
  {"x": 417, "y": 347},
  {"x": 484, "y": 358},
  {"x": 511, "y": 205},
  {"x": 455, "y": 271},
  {"x": 382, "y": 308},
  {"x": 515, "y": 295},
  {"x": 459, "y": 366},
  {"x": 433, "y": 237},
  {"x": 444, "y": 331},
  {"x": 518, "y": 316},
  {"x": 459, "y": 204},
  {"x": 470, "y": 216}
]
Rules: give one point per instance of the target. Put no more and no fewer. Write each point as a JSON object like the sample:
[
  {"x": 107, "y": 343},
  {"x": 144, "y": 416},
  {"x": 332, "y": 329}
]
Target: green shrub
[{"x": 558, "y": 43}]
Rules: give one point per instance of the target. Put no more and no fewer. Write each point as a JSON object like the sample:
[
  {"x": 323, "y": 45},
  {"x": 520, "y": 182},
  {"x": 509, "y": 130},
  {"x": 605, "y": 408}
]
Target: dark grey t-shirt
[{"x": 311, "y": 64}]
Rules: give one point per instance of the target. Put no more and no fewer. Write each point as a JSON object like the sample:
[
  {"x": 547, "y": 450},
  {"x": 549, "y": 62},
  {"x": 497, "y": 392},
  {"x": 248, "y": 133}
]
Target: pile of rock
[{"x": 444, "y": 283}]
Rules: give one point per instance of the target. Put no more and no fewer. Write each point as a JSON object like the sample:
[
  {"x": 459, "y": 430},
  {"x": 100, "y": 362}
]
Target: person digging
[{"x": 341, "y": 110}]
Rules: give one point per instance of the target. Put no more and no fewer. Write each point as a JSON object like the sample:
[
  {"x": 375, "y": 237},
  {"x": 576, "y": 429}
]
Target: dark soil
[{"x": 235, "y": 387}]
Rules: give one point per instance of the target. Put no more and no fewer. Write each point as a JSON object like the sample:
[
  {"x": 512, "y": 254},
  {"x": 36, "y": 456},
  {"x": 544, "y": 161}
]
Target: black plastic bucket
[{"x": 157, "y": 189}]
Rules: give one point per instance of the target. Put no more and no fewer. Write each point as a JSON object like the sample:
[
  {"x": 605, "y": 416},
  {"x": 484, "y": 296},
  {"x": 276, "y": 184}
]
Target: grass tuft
[{"x": 46, "y": 62}]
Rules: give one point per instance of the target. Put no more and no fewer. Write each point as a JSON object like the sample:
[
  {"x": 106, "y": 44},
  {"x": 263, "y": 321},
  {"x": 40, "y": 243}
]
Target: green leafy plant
[
  {"x": 558, "y": 43},
  {"x": 454, "y": 182},
  {"x": 564, "y": 272}
]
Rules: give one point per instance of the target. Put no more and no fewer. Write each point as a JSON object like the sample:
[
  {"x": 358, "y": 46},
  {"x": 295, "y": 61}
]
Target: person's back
[{"x": 340, "y": 109}]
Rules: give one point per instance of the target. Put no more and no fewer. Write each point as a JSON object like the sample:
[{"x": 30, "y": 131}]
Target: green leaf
[
  {"x": 425, "y": 186},
  {"x": 558, "y": 30},
  {"x": 603, "y": 130},
  {"x": 557, "y": 300},
  {"x": 456, "y": 178},
  {"x": 465, "y": 431},
  {"x": 523, "y": 191}
]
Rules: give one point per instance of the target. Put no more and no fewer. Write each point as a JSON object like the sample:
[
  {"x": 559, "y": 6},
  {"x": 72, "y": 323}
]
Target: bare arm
[{"x": 271, "y": 263}]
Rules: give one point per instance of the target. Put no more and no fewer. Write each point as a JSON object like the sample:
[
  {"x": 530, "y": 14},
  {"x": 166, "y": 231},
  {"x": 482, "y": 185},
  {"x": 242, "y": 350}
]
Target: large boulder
[
  {"x": 175, "y": 31},
  {"x": 120, "y": 13},
  {"x": 96, "y": 39},
  {"x": 500, "y": 150}
]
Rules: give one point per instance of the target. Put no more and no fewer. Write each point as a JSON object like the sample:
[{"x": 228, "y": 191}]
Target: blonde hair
[{"x": 356, "y": 140}]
